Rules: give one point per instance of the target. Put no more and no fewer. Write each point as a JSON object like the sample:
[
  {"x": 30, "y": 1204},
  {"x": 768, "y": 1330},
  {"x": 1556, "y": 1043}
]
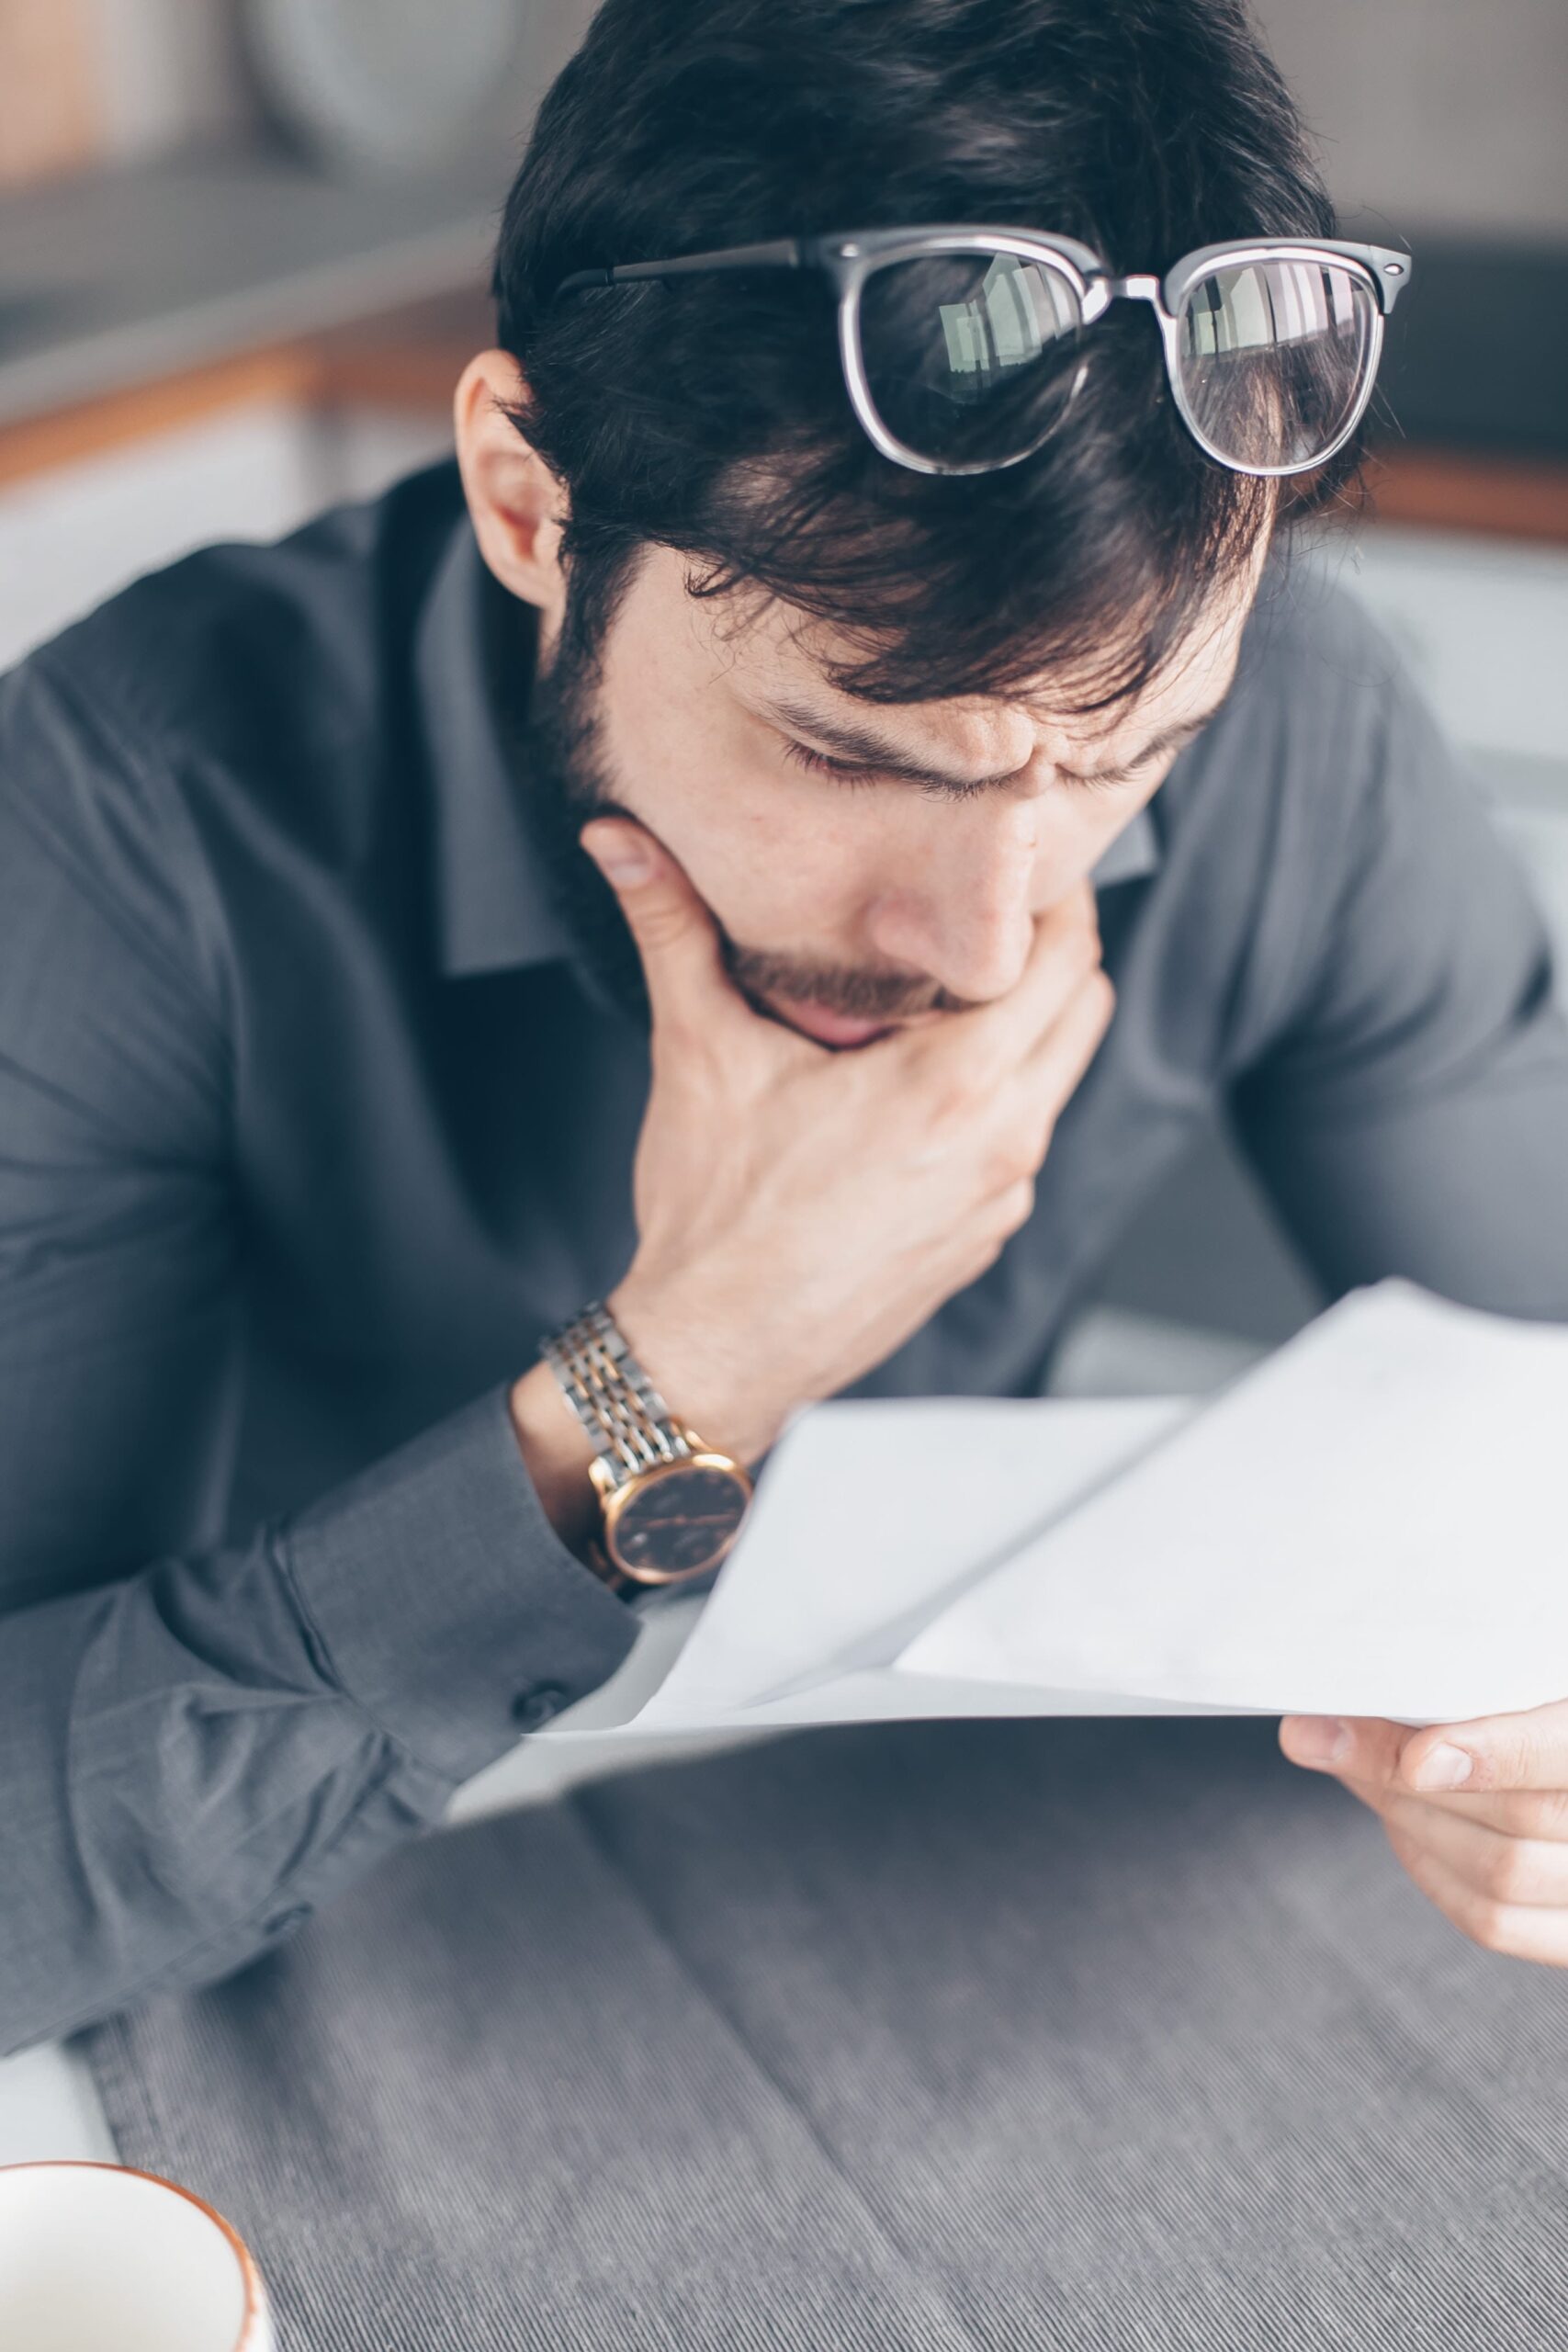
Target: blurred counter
[{"x": 111, "y": 280}]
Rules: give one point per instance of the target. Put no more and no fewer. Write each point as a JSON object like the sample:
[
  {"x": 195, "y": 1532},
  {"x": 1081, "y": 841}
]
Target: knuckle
[
  {"x": 1102, "y": 993},
  {"x": 1009, "y": 1210},
  {"x": 1504, "y": 1873},
  {"x": 985, "y": 1256},
  {"x": 1502, "y": 1766},
  {"x": 662, "y": 924},
  {"x": 1543, "y": 1813},
  {"x": 1517, "y": 1873},
  {"x": 1487, "y": 1923},
  {"x": 1079, "y": 911},
  {"x": 1009, "y": 1164},
  {"x": 1081, "y": 945},
  {"x": 1017, "y": 1204},
  {"x": 1085, "y": 973},
  {"x": 676, "y": 1043},
  {"x": 956, "y": 1104}
]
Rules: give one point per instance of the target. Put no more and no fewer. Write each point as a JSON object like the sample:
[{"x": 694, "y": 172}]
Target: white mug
[{"x": 100, "y": 2258}]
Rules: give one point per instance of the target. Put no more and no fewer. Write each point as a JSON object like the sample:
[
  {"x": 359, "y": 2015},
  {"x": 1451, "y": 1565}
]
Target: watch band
[
  {"x": 671, "y": 1506},
  {"x": 628, "y": 1424}
]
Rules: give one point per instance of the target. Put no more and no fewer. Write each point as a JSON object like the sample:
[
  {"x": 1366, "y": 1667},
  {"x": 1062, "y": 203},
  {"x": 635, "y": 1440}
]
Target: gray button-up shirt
[{"x": 309, "y": 1128}]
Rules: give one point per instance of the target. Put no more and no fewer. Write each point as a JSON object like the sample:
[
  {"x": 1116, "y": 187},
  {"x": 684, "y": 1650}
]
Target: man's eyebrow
[{"x": 869, "y": 748}]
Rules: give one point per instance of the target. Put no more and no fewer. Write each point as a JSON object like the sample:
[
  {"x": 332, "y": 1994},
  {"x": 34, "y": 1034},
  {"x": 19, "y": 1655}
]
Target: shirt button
[{"x": 531, "y": 1708}]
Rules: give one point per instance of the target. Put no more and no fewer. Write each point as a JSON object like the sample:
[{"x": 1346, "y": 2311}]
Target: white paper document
[{"x": 1373, "y": 1521}]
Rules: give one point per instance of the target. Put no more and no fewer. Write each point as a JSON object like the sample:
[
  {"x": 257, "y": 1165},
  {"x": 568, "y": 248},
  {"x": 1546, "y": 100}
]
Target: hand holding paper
[
  {"x": 1477, "y": 1811},
  {"x": 1372, "y": 1525}
]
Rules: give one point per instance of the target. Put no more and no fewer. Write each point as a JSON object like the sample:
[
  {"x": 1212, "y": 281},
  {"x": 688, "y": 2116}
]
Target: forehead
[{"x": 761, "y": 650}]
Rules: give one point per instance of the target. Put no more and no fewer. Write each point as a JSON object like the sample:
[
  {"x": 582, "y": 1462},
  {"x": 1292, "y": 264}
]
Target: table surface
[{"x": 48, "y": 2104}]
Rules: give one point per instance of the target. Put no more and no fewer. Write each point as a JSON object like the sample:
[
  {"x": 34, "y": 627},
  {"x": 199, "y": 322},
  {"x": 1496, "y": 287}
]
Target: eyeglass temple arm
[
  {"x": 783, "y": 252},
  {"x": 1389, "y": 269}
]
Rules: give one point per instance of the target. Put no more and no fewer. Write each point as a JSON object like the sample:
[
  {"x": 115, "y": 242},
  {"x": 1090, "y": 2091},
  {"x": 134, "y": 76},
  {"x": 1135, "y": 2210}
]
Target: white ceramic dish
[{"x": 100, "y": 2258}]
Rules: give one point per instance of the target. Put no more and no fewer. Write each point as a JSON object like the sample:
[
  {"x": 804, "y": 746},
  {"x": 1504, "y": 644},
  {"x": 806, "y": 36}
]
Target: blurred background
[{"x": 242, "y": 249}]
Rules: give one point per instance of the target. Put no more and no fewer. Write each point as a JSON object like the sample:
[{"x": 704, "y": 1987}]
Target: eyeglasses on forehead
[{"x": 963, "y": 347}]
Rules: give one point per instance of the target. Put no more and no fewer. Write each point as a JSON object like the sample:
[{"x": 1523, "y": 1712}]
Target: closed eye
[
  {"x": 1109, "y": 779},
  {"x": 855, "y": 773}
]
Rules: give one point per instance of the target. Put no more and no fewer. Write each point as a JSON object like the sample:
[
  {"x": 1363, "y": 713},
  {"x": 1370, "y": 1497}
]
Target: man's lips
[
  {"x": 828, "y": 1028},
  {"x": 831, "y": 1028}
]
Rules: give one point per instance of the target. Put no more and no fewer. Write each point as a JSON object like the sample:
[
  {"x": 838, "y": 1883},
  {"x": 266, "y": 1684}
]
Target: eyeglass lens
[
  {"x": 1273, "y": 357},
  {"x": 970, "y": 358}
]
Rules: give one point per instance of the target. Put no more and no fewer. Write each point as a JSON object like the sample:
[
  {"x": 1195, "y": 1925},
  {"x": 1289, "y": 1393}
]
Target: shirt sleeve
[
  {"x": 198, "y": 1742},
  {"x": 1408, "y": 1112}
]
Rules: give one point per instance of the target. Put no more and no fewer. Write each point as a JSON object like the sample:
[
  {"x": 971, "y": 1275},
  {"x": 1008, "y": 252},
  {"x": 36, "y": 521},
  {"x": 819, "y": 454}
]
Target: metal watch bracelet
[{"x": 627, "y": 1422}]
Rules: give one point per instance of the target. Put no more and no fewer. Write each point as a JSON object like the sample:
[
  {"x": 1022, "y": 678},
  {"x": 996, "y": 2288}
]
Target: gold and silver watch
[{"x": 672, "y": 1506}]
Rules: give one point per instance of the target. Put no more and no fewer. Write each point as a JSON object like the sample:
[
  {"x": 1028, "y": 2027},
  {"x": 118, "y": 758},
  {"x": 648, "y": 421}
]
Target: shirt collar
[
  {"x": 1132, "y": 856},
  {"x": 494, "y": 909}
]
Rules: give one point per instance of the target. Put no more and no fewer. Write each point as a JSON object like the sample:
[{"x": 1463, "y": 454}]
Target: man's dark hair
[{"x": 708, "y": 413}]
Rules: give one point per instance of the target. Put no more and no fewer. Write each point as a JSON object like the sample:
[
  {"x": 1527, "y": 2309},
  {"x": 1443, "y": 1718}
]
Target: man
[{"x": 324, "y": 1057}]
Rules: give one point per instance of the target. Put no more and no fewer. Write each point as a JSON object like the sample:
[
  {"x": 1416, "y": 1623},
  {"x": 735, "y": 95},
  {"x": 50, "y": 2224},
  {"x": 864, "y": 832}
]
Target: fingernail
[
  {"x": 1319, "y": 1739},
  {"x": 1443, "y": 1767},
  {"x": 620, "y": 857}
]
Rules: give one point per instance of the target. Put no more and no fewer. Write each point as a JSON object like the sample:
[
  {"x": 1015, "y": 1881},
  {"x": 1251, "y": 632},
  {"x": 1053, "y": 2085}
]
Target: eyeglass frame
[{"x": 848, "y": 257}]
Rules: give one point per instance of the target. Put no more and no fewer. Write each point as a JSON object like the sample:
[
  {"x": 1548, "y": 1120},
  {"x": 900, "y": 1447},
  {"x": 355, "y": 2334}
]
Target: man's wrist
[{"x": 707, "y": 1384}]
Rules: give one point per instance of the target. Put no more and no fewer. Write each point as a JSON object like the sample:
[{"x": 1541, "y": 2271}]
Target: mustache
[{"x": 857, "y": 993}]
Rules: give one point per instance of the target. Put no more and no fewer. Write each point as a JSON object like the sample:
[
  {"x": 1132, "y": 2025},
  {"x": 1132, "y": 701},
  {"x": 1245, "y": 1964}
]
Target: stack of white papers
[{"x": 1374, "y": 1522}]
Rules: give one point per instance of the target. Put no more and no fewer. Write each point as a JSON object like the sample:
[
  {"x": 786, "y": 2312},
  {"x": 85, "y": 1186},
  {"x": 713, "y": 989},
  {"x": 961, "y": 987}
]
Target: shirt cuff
[{"x": 443, "y": 1602}]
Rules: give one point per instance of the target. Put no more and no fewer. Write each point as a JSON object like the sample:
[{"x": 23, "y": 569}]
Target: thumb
[{"x": 674, "y": 929}]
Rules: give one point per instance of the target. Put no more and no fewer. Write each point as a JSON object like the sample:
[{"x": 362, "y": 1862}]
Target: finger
[
  {"x": 674, "y": 932},
  {"x": 1374, "y": 1766},
  {"x": 1523, "y": 1751},
  {"x": 1361, "y": 1747},
  {"x": 1518, "y": 1929},
  {"x": 1528, "y": 1870},
  {"x": 1426, "y": 1758},
  {"x": 1528, "y": 1750},
  {"x": 1516, "y": 1812},
  {"x": 992, "y": 1038},
  {"x": 1053, "y": 1066}
]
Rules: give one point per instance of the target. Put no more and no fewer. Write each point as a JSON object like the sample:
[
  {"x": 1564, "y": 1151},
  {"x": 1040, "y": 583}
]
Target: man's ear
[{"x": 517, "y": 504}]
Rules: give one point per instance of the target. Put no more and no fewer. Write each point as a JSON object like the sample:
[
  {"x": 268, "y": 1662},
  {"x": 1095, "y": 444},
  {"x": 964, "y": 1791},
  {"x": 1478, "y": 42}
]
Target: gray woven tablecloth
[{"x": 1025, "y": 2035}]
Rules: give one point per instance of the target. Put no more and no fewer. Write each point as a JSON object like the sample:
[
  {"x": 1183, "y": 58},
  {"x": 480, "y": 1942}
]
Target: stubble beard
[{"x": 556, "y": 746}]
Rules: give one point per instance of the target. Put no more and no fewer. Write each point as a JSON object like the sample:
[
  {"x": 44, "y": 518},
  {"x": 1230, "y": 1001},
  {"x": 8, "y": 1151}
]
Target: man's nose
[{"x": 963, "y": 916}]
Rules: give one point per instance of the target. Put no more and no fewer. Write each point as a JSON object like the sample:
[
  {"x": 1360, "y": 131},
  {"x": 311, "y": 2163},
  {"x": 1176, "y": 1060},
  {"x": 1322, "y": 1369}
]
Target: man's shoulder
[
  {"x": 1314, "y": 663},
  {"x": 255, "y": 656},
  {"x": 1303, "y": 735}
]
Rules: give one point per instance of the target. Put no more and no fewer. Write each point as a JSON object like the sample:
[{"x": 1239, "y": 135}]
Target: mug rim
[{"x": 256, "y": 2293}]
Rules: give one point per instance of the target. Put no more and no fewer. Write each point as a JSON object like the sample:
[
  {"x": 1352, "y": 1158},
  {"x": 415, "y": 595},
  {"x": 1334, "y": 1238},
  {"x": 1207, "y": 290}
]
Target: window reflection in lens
[
  {"x": 969, "y": 356},
  {"x": 1273, "y": 359}
]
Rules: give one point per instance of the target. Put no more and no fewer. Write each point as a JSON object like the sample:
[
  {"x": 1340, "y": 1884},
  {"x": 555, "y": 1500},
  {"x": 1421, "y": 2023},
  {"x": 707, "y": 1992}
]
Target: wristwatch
[{"x": 672, "y": 1505}]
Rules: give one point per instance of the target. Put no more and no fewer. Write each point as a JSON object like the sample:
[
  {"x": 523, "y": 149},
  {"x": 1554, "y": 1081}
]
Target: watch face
[{"x": 678, "y": 1520}]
